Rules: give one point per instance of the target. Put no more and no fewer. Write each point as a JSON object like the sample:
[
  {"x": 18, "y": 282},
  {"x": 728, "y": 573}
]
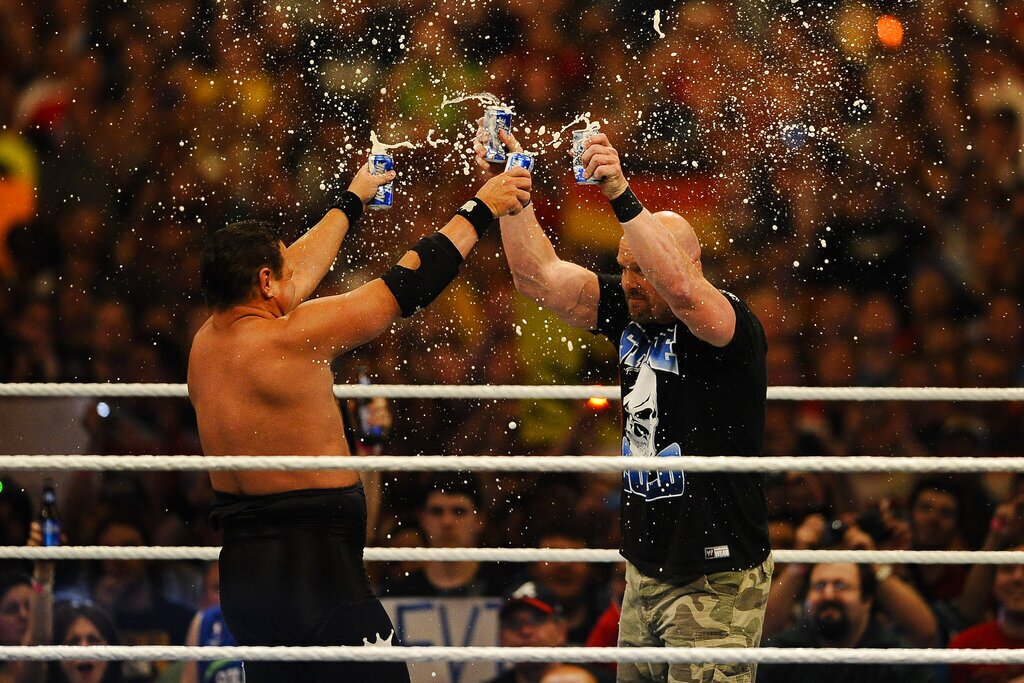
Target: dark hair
[
  {"x": 568, "y": 527},
  {"x": 232, "y": 259},
  {"x": 973, "y": 506},
  {"x": 12, "y": 579},
  {"x": 456, "y": 484},
  {"x": 942, "y": 485},
  {"x": 124, "y": 518},
  {"x": 95, "y": 568},
  {"x": 65, "y": 612}
]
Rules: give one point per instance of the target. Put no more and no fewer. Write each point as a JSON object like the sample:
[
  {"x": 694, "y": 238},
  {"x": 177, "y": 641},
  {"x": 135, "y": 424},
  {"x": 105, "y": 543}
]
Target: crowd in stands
[{"x": 865, "y": 200}]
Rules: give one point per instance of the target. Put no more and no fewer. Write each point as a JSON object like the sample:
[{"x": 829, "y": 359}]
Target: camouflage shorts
[{"x": 718, "y": 610}]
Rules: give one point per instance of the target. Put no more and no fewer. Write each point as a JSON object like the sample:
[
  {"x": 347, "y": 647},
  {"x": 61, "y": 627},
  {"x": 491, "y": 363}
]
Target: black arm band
[
  {"x": 626, "y": 206},
  {"x": 477, "y": 213},
  {"x": 351, "y": 205},
  {"x": 439, "y": 264}
]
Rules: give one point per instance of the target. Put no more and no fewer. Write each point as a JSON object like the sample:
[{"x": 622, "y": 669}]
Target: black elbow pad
[{"x": 439, "y": 264}]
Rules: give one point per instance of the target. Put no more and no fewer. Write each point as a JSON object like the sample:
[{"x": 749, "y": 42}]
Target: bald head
[{"x": 681, "y": 230}]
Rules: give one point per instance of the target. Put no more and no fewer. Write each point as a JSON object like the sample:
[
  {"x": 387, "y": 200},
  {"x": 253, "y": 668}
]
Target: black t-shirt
[
  {"x": 876, "y": 636},
  {"x": 683, "y": 396}
]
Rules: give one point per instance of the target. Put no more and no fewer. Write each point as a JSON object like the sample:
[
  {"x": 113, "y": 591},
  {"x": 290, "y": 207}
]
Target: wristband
[
  {"x": 626, "y": 206},
  {"x": 478, "y": 214},
  {"x": 351, "y": 205}
]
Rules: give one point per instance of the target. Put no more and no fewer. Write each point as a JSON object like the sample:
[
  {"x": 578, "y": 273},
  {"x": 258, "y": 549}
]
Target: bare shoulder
[
  {"x": 222, "y": 346},
  {"x": 198, "y": 351}
]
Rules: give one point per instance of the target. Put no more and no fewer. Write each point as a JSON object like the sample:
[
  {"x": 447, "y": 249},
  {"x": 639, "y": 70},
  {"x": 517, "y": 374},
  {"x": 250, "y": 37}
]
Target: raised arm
[
  {"x": 329, "y": 326},
  {"x": 897, "y": 598},
  {"x": 569, "y": 291},
  {"x": 665, "y": 248},
  {"x": 311, "y": 256},
  {"x": 40, "y": 624}
]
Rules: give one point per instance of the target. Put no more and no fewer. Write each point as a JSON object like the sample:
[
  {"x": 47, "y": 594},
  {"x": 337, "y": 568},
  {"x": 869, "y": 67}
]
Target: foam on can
[
  {"x": 497, "y": 119},
  {"x": 579, "y": 137},
  {"x": 521, "y": 159},
  {"x": 385, "y": 197}
]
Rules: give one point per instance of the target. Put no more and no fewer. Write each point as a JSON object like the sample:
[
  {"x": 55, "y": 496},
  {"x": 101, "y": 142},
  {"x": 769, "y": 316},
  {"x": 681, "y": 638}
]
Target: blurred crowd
[{"x": 865, "y": 199}]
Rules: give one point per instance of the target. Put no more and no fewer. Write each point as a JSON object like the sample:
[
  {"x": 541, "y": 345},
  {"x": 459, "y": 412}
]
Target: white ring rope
[
  {"x": 513, "y": 463},
  {"x": 210, "y": 553},
  {"x": 594, "y": 655},
  {"x": 517, "y": 464},
  {"x": 484, "y": 391}
]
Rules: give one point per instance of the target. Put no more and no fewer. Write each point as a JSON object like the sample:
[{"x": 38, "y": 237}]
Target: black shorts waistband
[{"x": 334, "y": 506}]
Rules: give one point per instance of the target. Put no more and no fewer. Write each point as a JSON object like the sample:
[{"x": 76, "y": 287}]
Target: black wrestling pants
[{"x": 292, "y": 574}]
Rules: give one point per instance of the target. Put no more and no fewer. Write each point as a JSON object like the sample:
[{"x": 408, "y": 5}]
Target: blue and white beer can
[
  {"x": 379, "y": 165},
  {"x": 51, "y": 533},
  {"x": 579, "y": 139},
  {"x": 520, "y": 159},
  {"x": 497, "y": 119}
]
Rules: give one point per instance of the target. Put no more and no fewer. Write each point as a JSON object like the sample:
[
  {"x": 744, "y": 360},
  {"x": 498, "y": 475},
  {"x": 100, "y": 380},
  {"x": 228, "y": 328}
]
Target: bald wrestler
[
  {"x": 692, "y": 372},
  {"x": 260, "y": 379}
]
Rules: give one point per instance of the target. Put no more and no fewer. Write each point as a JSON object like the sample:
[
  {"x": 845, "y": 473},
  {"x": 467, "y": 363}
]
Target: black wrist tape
[
  {"x": 351, "y": 205},
  {"x": 439, "y": 264},
  {"x": 626, "y": 206},
  {"x": 476, "y": 212}
]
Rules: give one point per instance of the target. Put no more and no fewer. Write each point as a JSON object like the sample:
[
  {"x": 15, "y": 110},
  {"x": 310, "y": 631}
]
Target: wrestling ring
[{"x": 591, "y": 464}]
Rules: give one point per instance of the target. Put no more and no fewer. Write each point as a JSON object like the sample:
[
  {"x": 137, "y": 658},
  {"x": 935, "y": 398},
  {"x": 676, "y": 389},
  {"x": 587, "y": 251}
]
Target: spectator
[
  {"x": 209, "y": 628},
  {"x": 1005, "y": 631},
  {"x": 838, "y": 613},
  {"x": 895, "y": 597},
  {"x": 571, "y": 583},
  {"x": 131, "y": 591},
  {"x": 451, "y": 517},
  {"x": 82, "y": 624},
  {"x": 606, "y": 630},
  {"x": 67, "y": 622},
  {"x": 532, "y": 617},
  {"x": 940, "y": 515},
  {"x": 15, "y": 594},
  {"x": 1006, "y": 529}
]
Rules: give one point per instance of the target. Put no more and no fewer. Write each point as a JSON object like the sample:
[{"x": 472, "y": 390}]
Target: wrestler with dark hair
[{"x": 260, "y": 379}]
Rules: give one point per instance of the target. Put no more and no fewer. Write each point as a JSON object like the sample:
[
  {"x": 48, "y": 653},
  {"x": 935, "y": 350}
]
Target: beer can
[
  {"x": 496, "y": 119},
  {"x": 579, "y": 137},
  {"x": 521, "y": 159},
  {"x": 385, "y": 197}
]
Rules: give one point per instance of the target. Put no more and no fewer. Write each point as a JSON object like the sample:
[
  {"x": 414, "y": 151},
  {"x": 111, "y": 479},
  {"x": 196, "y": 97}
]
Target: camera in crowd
[{"x": 869, "y": 522}]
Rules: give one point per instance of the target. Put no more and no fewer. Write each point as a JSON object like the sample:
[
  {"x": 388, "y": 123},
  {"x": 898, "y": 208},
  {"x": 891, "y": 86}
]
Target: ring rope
[
  {"x": 676, "y": 655},
  {"x": 210, "y": 553},
  {"x": 512, "y": 391},
  {"x": 514, "y": 463}
]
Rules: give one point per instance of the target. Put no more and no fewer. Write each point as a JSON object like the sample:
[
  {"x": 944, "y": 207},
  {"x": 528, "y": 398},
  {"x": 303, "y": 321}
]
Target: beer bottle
[
  {"x": 48, "y": 518},
  {"x": 371, "y": 432}
]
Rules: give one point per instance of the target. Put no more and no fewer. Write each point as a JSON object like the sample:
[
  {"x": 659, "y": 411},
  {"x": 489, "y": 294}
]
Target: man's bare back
[
  {"x": 260, "y": 380},
  {"x": 259, "y": 371},
  {"x": 254, "y": 395}
]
